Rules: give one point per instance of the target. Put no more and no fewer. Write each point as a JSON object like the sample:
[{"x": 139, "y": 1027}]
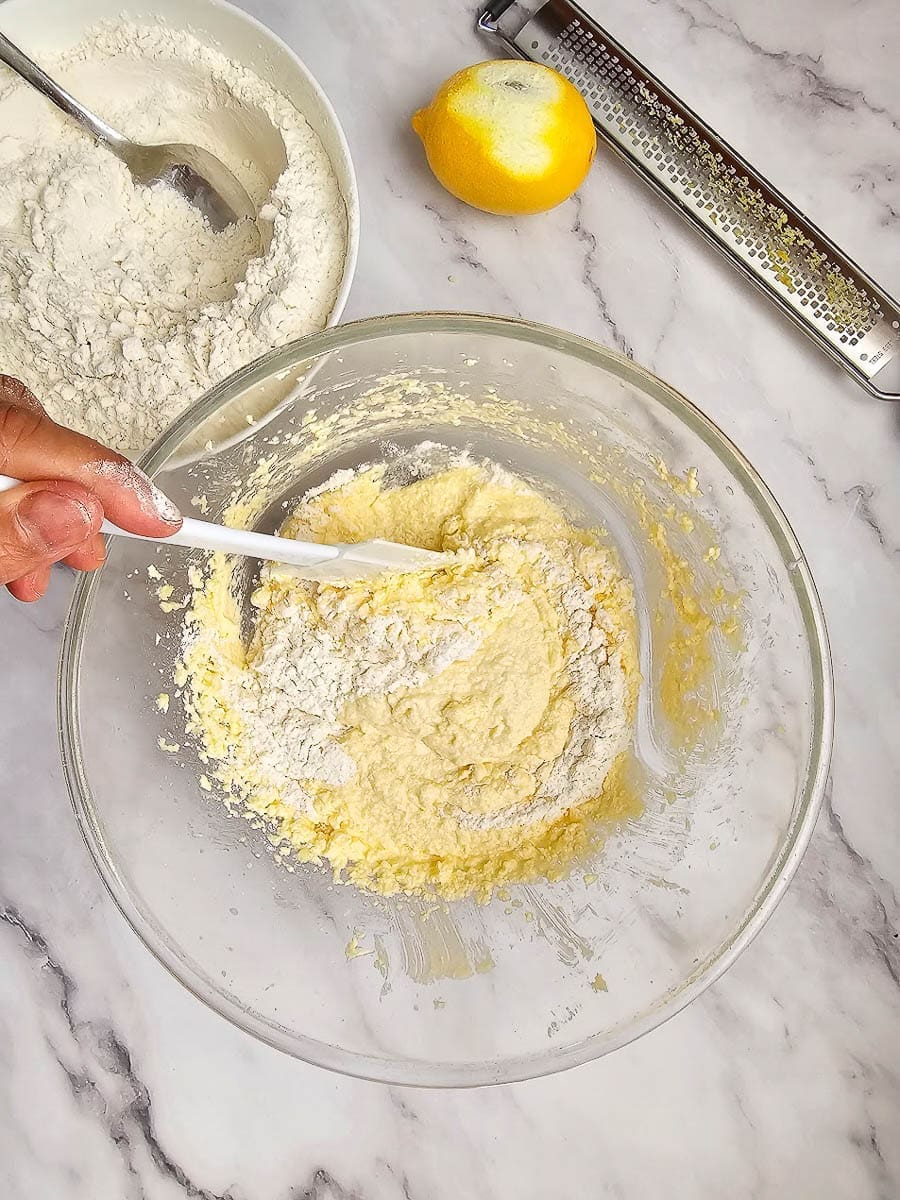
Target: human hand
[{"x": 72, "y": 483}]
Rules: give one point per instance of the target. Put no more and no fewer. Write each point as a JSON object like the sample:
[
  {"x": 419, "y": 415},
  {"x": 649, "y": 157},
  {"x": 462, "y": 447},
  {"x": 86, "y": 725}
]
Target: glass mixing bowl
[{"x": 547, "y": 975}]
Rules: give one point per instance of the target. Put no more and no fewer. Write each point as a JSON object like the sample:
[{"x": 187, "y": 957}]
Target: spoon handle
[{"x": 18, "y": 61}]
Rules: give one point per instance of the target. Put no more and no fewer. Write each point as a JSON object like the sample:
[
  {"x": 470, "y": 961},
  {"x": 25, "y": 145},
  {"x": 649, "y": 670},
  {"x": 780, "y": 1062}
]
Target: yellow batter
[{"x": 445, "y": 731}]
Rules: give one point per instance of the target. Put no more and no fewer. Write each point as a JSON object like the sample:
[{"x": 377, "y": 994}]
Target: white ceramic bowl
[{"x": 49, "y": 26}]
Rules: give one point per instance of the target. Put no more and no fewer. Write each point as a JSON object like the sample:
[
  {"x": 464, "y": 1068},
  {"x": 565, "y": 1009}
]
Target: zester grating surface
[{"x": 832, "y": 299}]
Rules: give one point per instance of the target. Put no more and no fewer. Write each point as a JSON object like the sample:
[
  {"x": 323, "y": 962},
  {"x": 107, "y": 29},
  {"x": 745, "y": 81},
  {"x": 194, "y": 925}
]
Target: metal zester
[{"x": 761, "y": 233}]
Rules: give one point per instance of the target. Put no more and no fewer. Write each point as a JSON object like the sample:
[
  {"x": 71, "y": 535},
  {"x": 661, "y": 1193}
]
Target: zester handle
[
  {"x": 492, "y": 13},
  {"x": 736, "y": 209}
]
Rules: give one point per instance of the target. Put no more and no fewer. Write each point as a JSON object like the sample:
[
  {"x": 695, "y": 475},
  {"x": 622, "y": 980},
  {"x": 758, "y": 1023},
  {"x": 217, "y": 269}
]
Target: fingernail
[
  {"x": 153, "y": 502},
  {"x": 164, "y": 507},
  {"x": 54, "y": 521}
]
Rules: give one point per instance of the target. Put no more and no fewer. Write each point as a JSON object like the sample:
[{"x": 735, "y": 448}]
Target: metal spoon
[{"x": 192, "y": 171}]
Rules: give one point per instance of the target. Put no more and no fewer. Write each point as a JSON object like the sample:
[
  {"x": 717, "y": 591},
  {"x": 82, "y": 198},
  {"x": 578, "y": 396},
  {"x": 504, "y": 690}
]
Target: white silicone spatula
[{"x": 308, "y": 560}]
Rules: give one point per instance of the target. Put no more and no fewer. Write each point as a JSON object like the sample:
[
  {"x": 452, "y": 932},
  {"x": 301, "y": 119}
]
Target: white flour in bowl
[{"x": 118, "y": 305}]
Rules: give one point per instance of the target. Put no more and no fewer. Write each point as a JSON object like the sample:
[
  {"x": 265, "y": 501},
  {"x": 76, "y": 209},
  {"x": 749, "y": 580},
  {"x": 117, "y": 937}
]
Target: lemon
[{"x": 508, "y": 137}]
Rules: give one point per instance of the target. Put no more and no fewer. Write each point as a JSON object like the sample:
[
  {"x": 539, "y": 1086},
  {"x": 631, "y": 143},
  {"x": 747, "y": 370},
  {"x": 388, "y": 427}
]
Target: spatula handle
[{"x": 203, "y": 535}]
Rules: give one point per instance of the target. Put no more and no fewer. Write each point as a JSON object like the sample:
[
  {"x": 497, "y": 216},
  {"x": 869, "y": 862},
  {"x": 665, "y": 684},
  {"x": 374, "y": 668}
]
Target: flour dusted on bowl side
[{"x": 118, "y": 305}]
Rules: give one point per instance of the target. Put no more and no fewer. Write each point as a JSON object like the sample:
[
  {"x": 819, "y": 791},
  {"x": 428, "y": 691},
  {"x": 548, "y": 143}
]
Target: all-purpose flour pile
[
  {"x": 444, "y": 731},
  {"x": 118, "y": 305}
]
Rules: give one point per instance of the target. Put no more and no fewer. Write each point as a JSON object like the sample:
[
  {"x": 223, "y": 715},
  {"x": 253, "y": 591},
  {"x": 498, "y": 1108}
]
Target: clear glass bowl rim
[{"x": 410, "y": 1072}]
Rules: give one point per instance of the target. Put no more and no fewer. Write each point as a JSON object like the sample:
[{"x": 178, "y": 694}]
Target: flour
[
  {"x": 311, "y": 654},
  {"x": 315, "y": 651},
  {"x": 601, "y": 726},
  {"x": 118, "y": 305}
]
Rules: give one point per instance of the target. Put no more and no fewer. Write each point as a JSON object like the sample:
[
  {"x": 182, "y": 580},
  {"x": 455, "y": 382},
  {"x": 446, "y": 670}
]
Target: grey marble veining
[{"x": 784, "y": 1078}]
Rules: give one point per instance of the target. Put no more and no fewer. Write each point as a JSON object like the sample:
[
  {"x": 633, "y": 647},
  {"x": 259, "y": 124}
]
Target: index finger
[{"x": 34, "y": 447}]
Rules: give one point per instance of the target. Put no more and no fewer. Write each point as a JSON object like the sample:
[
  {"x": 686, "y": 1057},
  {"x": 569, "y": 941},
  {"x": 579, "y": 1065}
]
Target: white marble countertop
[{"x": 784, "y": 1078}]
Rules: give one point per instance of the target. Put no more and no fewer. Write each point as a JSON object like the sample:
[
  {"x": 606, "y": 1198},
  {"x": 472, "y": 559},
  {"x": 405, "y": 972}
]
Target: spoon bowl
[{"x": 203, "y": 180}]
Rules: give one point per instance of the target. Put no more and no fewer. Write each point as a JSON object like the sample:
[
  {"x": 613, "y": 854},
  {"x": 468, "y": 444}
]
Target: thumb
[{"x": 40, "y": 523}]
